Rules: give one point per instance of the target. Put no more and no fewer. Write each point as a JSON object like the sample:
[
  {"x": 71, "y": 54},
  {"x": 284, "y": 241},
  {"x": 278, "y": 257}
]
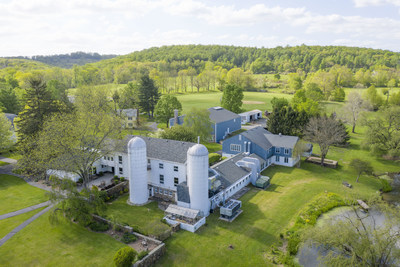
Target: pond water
[{"x": 308, "y": 254}]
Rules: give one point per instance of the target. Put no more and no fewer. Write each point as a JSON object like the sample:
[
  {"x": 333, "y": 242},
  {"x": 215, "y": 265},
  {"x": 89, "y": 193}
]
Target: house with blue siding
[
  {"x": 271, "y": 148},
  {"x": 223, "y": 121}
]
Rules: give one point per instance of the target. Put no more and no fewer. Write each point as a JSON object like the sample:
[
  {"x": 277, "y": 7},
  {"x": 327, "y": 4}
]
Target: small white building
[
  {"x": 249, "y": 116},
  {"x": 129, "y": 117}
]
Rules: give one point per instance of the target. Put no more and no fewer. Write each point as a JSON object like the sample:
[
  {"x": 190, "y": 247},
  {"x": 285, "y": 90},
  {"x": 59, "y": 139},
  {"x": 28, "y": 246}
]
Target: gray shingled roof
[
  {"x": 257, "y": 135},
  {"x": 163, "y": 149},
  {"x": 182, "y": 191},
  {"x": 266, "y": 140},
  {"x": 218, "y": 115},
  {"x": 282, "y": 140},
  {"x": 229, "y": 172}
]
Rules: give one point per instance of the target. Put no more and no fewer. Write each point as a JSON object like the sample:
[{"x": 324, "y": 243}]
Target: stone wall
[
  {"x": 152, "y": 257},
  {"x": 113, "y": 191}
]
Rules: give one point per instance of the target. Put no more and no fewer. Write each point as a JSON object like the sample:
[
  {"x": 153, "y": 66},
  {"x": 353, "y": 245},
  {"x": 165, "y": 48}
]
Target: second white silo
[
  {"x": 137, "y": 158},
  {"x": 197, "y": 178}
]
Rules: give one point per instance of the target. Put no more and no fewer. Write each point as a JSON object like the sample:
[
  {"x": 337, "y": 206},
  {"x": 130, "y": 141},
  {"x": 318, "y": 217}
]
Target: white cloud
[{"x": 365, "y": 3}]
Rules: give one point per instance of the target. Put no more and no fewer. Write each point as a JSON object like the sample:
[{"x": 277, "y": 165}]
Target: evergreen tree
[
  {"x": 232, "y": 97},
  {"x": 148, "y": 94}
]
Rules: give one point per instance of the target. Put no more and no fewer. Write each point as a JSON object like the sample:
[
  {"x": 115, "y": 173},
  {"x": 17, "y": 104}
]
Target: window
[
  {"x": 112, "y": 159},
  {"x": 130, "y": 124},
  {"x": 286, "y": 160},
  {"x": 161, "y": 191},
  {"x": 120, "y": 159},
  {"x": 105, "y": 157},
  {"x": 155, "y": 189},
  {"x": 108, "y": 158},
  {"x": 277, "y": 158},
  {"x": 170, "y": 193},
  {"x": 121, "y": 171},
  {"x": 129, "y": 118},
  {"x": 286, "y": 151},
  {"x": 175, "y": 168},
  {"x": 161, "y": 165},
  {"x": 176, "y": 181},
  {"x": 236, "y": 147},
  {"x": 277, "y": 150},
  {"x": 161, "y": 179}
]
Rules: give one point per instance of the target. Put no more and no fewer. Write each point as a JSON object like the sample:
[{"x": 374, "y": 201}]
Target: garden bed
[{"x": 327, "y": 162}]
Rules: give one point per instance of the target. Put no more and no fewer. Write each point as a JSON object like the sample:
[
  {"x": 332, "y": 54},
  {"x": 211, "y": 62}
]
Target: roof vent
[
  {"x": 280, "y": 134},
  {"x": 217, "y": 108}
]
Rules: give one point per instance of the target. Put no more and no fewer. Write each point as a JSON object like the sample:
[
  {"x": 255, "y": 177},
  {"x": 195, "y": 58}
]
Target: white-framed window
[
  {"x": 129, "y": 118},
  {"x": 120, "y": 159},
  {"x": 286, "y": 151},
  {"x": 286, "y": 160},
  {"x": 130, "y": 124},
  {"x": 121, "y": 171},
  {"x": 277, "y": 150},
  {"x": 277, "y": 158},
  {"x": 108, "y": 158},
  {"x": 170, "y": 193},
  {"x": 105, "y": 157},
  {"x": 112, "y": 159},
  {"x": 176, "y": 181},
  {"x": 176, "y": 168},
  {"x": 161, "y": 179},
  {"x": 236, "y": 147},
  {"x": 156, "y": 189},
  {"x": 161, "y": 191},
  {"x": 161, "y": 165}
]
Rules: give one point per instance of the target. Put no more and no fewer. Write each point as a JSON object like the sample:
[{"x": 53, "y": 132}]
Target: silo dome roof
[
  {"x": 136, "y": 143},
  {"x": 198, "y": 150}
]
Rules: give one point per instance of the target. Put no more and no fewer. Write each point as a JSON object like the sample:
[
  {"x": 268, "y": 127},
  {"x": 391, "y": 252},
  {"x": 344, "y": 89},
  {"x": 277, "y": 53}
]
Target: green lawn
[
  {"x": 213, "y": 147},
  {"x": 11, "y": 155},
  {"x": 64, "y": 244},
  {"x": 2, "y": 163},
  {"x": 16, "y": 194},
  {"x": 7, "y": 225},
  {"x": 147, "y": 217},
  {"x": 268, "y": 213}
]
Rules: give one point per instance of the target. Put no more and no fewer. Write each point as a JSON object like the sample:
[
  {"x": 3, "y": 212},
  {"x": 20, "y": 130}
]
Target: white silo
[
  {"x": 197, "y": 176},
  {"x": 137, "y": 158}
]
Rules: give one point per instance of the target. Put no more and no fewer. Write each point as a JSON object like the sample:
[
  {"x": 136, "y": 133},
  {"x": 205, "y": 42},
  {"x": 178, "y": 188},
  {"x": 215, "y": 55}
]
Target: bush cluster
[
  {"x": 128, "y": 238},
  {"x": 124, "y": 257},
  {"x": 386, "y": 187},
  {"x": 99, "y": 226},
  {"x": 213, "y": 158},
  {"x": 142, "y": 254}
]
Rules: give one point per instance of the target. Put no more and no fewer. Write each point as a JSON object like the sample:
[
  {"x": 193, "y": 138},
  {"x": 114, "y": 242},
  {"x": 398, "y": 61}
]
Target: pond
[
  {"x": 393, "y": 196},
  {"x": 308, "y": 254}
]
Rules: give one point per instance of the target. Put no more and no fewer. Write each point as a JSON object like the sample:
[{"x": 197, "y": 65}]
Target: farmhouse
[
  {"x": 271, "y": 148},
  {"x": 224, "y": 122},
  {"x": 128, "y": 117}
]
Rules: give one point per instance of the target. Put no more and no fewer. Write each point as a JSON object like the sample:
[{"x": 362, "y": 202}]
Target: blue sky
[{"x": 43, "y": 27}]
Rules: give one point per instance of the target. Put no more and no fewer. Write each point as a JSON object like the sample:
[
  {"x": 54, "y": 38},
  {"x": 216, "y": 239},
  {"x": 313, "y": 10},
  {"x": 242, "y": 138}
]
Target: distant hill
[
  {"x": 68, "y": 60},
  {"x": 22, "y": 64},
  {"x": 278, "y": 59}
]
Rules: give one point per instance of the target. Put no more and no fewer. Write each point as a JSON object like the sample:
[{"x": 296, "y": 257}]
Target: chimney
[
  {"x": 280, "y": 134},
  {"x": 176, "y": 114}
]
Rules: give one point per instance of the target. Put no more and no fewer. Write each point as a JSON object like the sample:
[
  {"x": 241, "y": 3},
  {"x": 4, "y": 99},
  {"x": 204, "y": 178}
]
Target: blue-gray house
[
  {"x": 271, "y": 148},
  {"x": 224, "y": 122}
]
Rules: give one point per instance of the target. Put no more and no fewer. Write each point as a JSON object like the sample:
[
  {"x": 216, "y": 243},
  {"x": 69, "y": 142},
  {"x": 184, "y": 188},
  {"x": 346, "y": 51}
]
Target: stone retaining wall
[{"x": 117, "y": 188}]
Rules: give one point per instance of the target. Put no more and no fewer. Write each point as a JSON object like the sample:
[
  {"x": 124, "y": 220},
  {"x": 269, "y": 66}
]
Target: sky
[{"x": 47, "y": 27}]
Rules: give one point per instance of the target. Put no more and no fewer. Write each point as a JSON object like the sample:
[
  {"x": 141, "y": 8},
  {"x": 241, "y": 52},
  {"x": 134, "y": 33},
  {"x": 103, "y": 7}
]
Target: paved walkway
[
  {"x": 23, "y": 225},
  {"x": 22, "y": 211},
  {"x": 8, "y": 160}
]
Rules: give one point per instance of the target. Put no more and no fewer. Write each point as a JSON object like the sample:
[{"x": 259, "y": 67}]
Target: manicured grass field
[
  {"x": 7, "y": 225},
  {"x": 16, "y": 194},
  {"x": 212, "y": 147},
  {"x": 64, "y": 244},
  {"x": 147, "y": 217},
  {"x": 2, "y": 163}
]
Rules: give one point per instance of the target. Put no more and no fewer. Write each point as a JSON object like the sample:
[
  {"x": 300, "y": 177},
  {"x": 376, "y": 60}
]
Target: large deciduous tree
[
  {"x": 5, "y": 133},
  {"x": 353, "y": 108},
  {"x": 165, "y": 107},
  {"x": 9, "y": 100},
  {"x": 232, "y": 97},
  {"x": 325, "y": 131},
  {"x": 383, "y": 131},
  {"x": 198, "y": 121},
  {"x": 148, "y": 94},
  {"x": 180, "y": 133},
  {"x": 74, "y": 142},
  {"x": 287, "y": 121}
]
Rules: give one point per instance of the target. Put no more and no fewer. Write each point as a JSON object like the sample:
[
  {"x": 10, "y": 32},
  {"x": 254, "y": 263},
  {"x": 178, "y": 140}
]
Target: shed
[{"x": 262, "y": 182}]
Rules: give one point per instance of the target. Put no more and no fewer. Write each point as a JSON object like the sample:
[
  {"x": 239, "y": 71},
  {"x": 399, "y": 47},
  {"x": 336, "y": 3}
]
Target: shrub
[
  {"x": 126, "y": 190},
  {"x": 122, "y": 179},
  {"x": 95, "y": 188},
  {"x": 164, "y": 221},
  {"x": 124, "y": 257},
  {"x": 80, "y": 180},
  {"x": 213, "y": 157},
  {"x": 142, "y": 254},
  {"x": 128, "y": 238},
  {"x": 100, "y": 174},
  {"x": 99, "y": 226},
  {"x": 115, "y": 177},
  {"x": 386, "y": 187}
]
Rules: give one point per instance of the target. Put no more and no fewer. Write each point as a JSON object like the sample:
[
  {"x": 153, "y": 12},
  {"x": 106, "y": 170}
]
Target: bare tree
[
  {"x": 353, "y": 108},
  {"x": 325, "y": 131}
]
